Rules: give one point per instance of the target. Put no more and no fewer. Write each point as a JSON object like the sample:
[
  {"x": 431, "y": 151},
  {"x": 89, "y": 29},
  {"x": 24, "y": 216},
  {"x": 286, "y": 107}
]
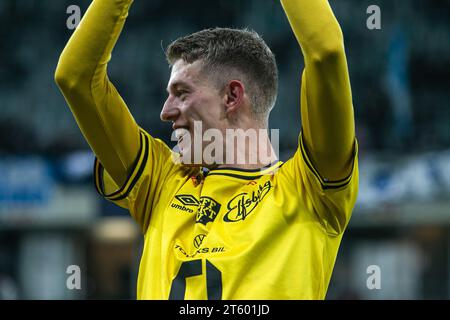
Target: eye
[{"x": 182, "y": 94}]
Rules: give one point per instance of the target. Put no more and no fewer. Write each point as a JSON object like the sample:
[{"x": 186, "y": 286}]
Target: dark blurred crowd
[{"x": 400, "y": 74}]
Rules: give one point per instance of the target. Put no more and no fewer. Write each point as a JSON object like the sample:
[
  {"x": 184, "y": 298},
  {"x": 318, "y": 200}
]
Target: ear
[{"x": 234, "y": 96}]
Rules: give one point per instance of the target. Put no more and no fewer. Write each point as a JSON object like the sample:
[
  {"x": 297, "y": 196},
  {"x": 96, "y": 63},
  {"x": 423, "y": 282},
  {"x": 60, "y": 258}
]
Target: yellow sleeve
[
  {"x": 326, "y": 100},
  {"x": 154, "y": 167},
  {"x": 131, "y": 167},
  {"x": 329, "y": 202},
  {"x": 100, "y": 112}
]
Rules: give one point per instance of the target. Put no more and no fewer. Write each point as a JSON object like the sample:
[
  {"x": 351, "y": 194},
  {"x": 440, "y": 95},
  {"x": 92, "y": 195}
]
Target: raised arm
[
  {"x": 100, "y": 112},
  {"x": 326, "y": 101}
]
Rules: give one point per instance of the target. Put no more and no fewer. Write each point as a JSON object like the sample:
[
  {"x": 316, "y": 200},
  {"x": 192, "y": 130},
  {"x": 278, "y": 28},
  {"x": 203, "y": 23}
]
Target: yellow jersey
[
  {"x": 272, "y": 233},
  {"x": 231, "y": 233}
]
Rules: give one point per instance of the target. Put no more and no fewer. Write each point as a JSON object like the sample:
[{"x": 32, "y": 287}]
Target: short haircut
[{"x": 233, "y": 54}]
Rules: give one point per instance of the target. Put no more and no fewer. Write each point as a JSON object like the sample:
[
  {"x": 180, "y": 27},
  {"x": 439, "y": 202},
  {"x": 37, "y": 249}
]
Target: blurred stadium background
[{"x": 51, "y": 216}]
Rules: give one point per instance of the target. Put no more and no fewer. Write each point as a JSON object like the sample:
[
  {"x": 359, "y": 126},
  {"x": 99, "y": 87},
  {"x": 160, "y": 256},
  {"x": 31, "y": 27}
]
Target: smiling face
[
  {"x": 226, "y": 80},
  {"x": 192, "y": 98}
]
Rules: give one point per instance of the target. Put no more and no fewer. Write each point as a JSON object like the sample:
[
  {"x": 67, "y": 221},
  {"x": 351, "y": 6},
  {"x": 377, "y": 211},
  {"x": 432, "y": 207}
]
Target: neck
[{"x": 249, "y": 149}]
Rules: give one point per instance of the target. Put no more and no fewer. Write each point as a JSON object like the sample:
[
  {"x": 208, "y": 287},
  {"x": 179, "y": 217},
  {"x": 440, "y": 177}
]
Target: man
[{"x": 252, "y": 230}]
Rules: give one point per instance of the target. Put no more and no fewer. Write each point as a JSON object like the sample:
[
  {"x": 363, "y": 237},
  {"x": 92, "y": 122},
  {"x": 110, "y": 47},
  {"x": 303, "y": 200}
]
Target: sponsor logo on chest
[
  {"x": 245, "y": 203},
  {"x": 207, "y": 209}
]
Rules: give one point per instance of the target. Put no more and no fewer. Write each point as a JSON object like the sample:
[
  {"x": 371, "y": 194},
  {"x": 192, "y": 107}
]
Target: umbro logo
[
  {"x": 207, "y": 208},
  {"x": 187, "y": 199}
]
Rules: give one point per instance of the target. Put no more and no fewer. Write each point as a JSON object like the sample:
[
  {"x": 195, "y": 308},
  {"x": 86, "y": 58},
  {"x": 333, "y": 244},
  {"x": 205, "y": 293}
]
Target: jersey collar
[{"x": 246, "y": 174}]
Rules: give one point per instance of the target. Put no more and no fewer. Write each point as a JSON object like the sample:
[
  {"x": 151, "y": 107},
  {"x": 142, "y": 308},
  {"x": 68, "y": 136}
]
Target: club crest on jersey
[
  {"x": 244, "y": 203},
  {"x": 208, "y": 209}
]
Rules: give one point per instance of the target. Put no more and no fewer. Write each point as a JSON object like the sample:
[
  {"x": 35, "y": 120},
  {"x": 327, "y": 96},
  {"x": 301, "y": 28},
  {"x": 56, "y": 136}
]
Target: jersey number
[{"x": 194, "y": 268}]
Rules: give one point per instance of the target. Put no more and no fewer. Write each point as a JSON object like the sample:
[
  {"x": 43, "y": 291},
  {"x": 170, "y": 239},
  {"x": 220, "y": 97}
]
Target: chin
[
  {"x": 186, "y": 158},
  {"x": 190, "y": 162}
]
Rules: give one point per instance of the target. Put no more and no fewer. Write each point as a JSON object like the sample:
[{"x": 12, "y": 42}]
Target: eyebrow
[{"x": 178, "y": 83}]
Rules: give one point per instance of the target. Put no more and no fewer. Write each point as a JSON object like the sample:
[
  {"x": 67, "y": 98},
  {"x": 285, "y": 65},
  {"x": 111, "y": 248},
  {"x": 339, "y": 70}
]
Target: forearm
[
  {"x": 315, "y": 27},
  {"x": 88, "y": 50},
  {"x": 81, "y": 75},
  {"x": 326, "y": 105}
]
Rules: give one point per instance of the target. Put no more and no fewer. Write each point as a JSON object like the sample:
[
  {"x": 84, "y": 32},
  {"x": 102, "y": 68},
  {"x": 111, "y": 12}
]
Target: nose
[{"x": 169, "y": 111}]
